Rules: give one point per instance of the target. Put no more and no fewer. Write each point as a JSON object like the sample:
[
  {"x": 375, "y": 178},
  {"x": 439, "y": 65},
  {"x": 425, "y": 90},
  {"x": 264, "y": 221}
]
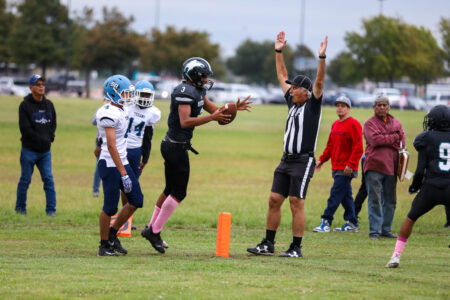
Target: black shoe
[
  {"x": 133, "y": 227},
  {"x": 266, "y": 247},
  {"x": 21, "y": 211},
  {"x": 447, "y": 225},
  {"x": 51, "y": 214},
  {"x": 117, "y": 246},
  {"x": 293, "y": 251},
  {"x": 389, "y": 235},
  {"x": 106, "y": 250},
  {"x": 154, "y": 239},
  {"x": 374, "y": 235}
]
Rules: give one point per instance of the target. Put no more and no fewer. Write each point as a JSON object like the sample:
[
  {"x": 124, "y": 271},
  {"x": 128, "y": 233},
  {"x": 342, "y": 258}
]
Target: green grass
[{"x": 55, "y": 258}]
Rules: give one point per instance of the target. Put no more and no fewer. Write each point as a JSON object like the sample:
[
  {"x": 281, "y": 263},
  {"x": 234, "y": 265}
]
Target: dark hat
[
  {"x": 343, "y": 99},
  {"x": 301, "y": 81},
  {"x": 33, "y": 79}
]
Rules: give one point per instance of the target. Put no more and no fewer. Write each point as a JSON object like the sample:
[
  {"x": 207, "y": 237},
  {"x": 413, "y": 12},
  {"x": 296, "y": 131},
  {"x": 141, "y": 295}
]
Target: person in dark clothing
[
  {"x": 37, "y": 122},
  {"x": 362, "y": 192}
]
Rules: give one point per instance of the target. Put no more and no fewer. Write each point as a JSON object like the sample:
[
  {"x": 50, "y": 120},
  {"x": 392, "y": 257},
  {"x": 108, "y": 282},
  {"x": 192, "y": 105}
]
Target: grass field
[{"x": 55, "y": 258}]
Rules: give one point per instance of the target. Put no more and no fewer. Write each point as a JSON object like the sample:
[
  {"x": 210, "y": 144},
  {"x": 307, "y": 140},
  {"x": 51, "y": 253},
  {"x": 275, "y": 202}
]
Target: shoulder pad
[
  {"x": 420, "y": 141},
  {"x": 108, "y": 116},
  {"x": 184, "y": 93}
]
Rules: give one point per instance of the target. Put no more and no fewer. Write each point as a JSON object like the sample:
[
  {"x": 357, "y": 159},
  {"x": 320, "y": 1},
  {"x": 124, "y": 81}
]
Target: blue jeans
[
  {"x": 96, "y": 184},
  {"x": 381, "y": 190},
  {"x": 43, "y": 161},
  {"x": 341, "y": 192}
]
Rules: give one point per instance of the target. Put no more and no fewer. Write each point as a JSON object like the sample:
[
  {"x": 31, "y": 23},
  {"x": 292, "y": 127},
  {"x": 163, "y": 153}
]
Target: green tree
[
  {"x": 380, "y": 50},
  {"x": 165, "y": 52},
  {"x": 39, "y": 33},
  {"x": 343, "y": 70},
  {"x": 444, "y": 26},
  {"x": 256, "y": 61},
  {"x": 6, "y": 23}
]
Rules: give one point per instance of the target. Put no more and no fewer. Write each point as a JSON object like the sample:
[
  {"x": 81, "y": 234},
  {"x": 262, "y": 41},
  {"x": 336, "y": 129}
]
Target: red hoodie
[
  {"x": 344, "y": 146},
  {"x": 382, "y": 144}
]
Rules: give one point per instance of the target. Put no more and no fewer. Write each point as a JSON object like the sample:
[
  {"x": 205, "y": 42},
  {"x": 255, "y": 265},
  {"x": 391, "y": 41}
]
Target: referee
[{"x": 296, "y": 168}]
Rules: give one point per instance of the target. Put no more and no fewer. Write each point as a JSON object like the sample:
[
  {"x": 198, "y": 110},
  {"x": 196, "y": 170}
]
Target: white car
[
  {"x": 14, "y": 86},
  {"x": 229, "y": 92},
  {"x": 439, "y": 98}
]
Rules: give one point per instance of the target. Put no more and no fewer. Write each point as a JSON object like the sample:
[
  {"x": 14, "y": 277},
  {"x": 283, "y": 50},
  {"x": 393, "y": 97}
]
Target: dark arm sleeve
[
  {"x": 53, "y": 126},
  {"x": 147, "y": 143},
  {"x": 420, "y": 170}
]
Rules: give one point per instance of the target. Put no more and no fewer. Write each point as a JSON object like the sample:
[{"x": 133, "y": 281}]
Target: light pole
[
  {"x": 381, "y": 6},
  {"x": 66, "y": 77}
]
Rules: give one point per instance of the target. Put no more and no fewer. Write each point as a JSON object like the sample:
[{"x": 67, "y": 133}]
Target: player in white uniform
[
  {"x": 142, "y": 116},
  {"x": 113, "y": 166}
]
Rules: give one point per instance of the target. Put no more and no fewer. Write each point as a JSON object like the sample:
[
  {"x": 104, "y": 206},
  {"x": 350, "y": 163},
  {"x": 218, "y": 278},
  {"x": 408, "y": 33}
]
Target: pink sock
[
  {"x": 167, "y": 209},
  {"x": 154, "y": 216},
  {"x": 401, "y": 242}
]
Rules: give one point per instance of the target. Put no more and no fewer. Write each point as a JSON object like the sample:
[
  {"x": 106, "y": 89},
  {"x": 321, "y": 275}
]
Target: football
[{"x": 230, "y": 109}]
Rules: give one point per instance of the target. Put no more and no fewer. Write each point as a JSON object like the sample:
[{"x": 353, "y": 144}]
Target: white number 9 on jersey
[{"x": 444, "y": 154}]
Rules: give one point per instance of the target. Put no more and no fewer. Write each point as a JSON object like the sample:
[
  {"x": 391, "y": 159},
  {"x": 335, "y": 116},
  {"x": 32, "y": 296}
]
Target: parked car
[
  {"x": 416, "y": 103},
  {"x": 229, "y": 92},
  {"x": 396, "y": 99},
  {"x": 164, "y": 89},
  {"x": 438, "y": 99},
  {"x": 57, "y": 82},
  {"x": 275, "y": 96},
  {"x": 14, "y": 86},
  {"x": 358, "y": 98}
]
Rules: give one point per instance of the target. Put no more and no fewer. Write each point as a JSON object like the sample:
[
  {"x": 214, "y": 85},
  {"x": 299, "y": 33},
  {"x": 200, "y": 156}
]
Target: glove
[
  {"x": 127, "y": 184},
  {"x": 412, "y": 189}
]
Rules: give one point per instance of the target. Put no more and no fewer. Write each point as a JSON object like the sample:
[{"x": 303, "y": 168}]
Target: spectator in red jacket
[
  {"x": 345, "y": 149},
  {"x": 383, "y": 134}
]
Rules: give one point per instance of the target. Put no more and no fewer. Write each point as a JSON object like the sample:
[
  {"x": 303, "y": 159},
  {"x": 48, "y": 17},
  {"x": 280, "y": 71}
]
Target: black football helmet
[
  {"x": 438, "y": 118},
  {"x": 194, "y": 69}
]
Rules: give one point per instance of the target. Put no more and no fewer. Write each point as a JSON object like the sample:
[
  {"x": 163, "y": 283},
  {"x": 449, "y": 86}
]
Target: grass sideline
[{"x": 55, "y": 258}]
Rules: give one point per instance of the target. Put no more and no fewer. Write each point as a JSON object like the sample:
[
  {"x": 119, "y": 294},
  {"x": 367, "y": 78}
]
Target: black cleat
[
  {"x": 154, "y": 239},
  {"x": 106, "y": 250},
  {"x": 117, "y": 246},
  {"x": 133, "y": 227},
  {"x": 266, "y": 247},
  {"x": 293, "y": 251}
]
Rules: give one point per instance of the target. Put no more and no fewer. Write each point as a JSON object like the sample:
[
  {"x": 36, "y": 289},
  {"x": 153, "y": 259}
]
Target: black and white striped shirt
[{"x": 302, "y": 125}]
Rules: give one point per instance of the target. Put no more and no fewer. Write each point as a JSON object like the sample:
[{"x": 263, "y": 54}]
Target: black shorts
[
  {"x": 428, "y": 197},
  {"x": 177, "y": 168},
  {"x": 291, "y": 177}
]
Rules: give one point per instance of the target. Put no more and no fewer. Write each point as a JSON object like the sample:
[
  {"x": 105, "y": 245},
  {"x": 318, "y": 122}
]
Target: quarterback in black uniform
[
  {"x": 187, "y": 103},
  {"x": 432, "y": 176}
]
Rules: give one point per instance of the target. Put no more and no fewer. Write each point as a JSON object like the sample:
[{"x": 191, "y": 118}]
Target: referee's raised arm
[
  {"x": 320, "y": 75},
  {"x": 282, "y": 73}
]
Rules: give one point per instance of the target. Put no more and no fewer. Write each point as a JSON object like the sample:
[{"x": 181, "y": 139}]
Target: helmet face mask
[
  {"x": 195, "y": 69},
  {"x": 119, "y": 90},
  {"x": 144, "y": 94},
  {"x": 438, "y": 118}
]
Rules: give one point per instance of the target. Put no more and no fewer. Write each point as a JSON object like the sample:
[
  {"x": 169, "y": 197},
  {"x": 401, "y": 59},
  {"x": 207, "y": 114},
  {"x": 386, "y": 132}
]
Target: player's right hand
[
  {"x": 127, "y": 184},
  {"x": 412, "y": 189},
  {"x": 219, "y": 116}
]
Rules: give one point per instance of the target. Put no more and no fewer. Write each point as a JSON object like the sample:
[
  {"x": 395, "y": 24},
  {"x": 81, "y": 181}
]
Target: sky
[{"x": 231, "y": 22}]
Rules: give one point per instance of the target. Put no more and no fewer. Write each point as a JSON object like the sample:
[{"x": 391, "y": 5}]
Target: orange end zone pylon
[
  {"x": 125, "y": 230},
  {"x": 223, "y": 235}
]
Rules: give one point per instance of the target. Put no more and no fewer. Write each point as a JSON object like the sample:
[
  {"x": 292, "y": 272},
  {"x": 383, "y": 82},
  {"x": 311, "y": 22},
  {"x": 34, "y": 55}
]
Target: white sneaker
[
  {"x": 394, "y": 262},
  {"x": 165, "y": 245},
  {"x": 348, "y": 227},
  {"x": 323, "y": 227}
]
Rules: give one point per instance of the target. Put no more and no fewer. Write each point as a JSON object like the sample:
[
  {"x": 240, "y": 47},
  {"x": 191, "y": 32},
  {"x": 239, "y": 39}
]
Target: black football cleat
[
  {"x": 264, "y": 248},
  {"x": 154, "y": 239},
  {"x": 293, "y": 251},
  {"x": 106, "y": 250},
  {"x": 117, "y": 246}
]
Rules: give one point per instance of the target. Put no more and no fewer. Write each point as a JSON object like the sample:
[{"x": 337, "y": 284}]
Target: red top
[
  {"x": 382, "y": 144},
  {"x": 344, "y": 146}
]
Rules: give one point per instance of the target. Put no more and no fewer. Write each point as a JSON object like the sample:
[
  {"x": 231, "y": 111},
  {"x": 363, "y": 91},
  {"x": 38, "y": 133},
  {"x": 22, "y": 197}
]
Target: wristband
[
  {"x": 322, "y": 56},
  {"x": 278, "y": 51}
]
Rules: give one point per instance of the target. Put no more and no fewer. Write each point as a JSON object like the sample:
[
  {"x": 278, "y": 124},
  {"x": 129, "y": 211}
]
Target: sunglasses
[{"x": 39, "y": 84}]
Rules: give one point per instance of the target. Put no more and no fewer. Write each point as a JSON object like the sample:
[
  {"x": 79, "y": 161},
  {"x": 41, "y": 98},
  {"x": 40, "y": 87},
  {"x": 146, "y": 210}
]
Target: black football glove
[{"x": 412, "y": 189}]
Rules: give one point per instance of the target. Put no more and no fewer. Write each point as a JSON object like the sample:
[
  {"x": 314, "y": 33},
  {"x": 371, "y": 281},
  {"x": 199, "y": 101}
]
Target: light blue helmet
[
  {"x": 144, "y": 93},
  {"x": 118, "y": 89}
]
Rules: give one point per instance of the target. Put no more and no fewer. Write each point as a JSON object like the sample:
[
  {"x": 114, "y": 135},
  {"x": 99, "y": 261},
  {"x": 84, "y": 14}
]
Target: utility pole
[
  {"x": 157, "y": 8},
  {"x": 66, "y": 77},
  {"x": 302, "y": 22},
  {"x": 381, "y": 6}
]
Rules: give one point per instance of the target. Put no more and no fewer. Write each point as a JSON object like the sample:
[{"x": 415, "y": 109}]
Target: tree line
[{"x": 37, "y": 32}]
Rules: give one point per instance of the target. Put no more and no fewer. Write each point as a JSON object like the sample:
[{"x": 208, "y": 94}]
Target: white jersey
[
  {"x": 139, "y": 119},
  {"x": 112, "y": 116}
]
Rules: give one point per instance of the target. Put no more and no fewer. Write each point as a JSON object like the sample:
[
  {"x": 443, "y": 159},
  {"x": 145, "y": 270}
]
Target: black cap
[{"x": 301, "y": 81}]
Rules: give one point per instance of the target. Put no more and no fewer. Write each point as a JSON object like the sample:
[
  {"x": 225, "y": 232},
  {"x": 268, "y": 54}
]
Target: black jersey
[
  {"x": 184, "y": 94},
  {"x": 434, "y": 158},
  {"x": 302, "y": 125}
]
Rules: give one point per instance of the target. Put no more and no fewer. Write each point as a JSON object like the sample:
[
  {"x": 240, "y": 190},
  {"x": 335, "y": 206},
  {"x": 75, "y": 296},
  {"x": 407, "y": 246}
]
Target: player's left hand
[
  {"x": 412, "y": 189},
  {"x": 244, "y": 104},
  {"x": 141, "y": 167},
  {"x": 323, "y": 46},
  {"x": 127, "y": 184}
]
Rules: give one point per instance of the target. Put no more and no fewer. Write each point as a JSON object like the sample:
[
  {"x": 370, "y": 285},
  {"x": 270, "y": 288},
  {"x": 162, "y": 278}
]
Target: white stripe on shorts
[{"x": 305, "y": 176}]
